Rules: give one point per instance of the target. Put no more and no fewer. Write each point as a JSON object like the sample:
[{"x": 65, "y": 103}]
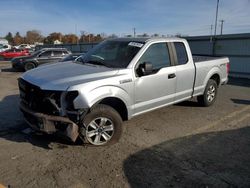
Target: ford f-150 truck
[{"x": 115, "y": 81}]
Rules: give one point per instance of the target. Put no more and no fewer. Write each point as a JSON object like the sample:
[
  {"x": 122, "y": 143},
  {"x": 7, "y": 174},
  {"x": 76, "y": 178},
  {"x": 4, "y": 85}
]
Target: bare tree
[
  {"x": 53, "y": 37},
  {"x": 18, "y": 39},
  {"x": 33, "y": 36},
  {"x": 70, "y": 39}
]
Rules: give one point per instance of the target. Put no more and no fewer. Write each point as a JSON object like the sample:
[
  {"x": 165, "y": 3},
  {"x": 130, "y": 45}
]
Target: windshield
[
  {"x": 115, "y": 54},
  {"x": 35, "y": 53}
]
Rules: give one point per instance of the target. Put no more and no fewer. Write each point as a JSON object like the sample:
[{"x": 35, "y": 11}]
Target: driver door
[
  {"x": 157, "y": 88},
  {"x": 45, "y": 57}
]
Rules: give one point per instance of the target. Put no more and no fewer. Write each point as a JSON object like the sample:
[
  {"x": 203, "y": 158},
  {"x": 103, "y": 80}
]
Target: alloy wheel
[{"x": 99, "y": 131}]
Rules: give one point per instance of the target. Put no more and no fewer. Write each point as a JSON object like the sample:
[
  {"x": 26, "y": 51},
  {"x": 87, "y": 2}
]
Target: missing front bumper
[{"x": 50, "y": 124}]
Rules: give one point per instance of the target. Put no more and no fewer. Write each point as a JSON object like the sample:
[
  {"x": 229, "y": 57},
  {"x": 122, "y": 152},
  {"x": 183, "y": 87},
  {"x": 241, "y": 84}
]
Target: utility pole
[
  {"x": 216, "y": 17},
  {"x": 134, "y": 31},
  {"x": 211, "y": 32},
  {"x": 76, "y": 32},
  {"x": 221, "y": 26},
  {"x": 215, "y": 26},
  {"x": 211, "y": 29}
]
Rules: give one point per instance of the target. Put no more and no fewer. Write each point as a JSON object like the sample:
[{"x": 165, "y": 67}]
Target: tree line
[{"x": 35, "y": 36}]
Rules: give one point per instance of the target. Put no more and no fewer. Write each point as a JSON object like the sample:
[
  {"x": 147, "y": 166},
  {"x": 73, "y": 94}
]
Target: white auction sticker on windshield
[{"x": 136, "y": 44}]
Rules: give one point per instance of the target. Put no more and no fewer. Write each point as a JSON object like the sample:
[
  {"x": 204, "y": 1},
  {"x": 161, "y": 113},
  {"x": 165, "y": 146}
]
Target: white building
[{"x": 57, "y": 42}]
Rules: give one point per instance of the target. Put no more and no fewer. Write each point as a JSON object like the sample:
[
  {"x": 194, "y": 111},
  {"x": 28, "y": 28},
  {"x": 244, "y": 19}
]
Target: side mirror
[
  {"x": 79, "y": 59},
  {"x": 145, "y": 68}
]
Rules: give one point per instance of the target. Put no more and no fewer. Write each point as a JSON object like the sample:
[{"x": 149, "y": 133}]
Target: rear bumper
[
  {"x": 50, "y": 124},
  {"x": 225, "y": 81}
]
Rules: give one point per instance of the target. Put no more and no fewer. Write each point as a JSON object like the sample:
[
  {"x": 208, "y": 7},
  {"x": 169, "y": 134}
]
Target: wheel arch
[
  {"x": 214, "y": 74},
  {"x": 216, "y": 78},
  {"x": 117, "y": 104},
  {"x": 112, "y": 96},
  {"x": 30, "y": 61}
]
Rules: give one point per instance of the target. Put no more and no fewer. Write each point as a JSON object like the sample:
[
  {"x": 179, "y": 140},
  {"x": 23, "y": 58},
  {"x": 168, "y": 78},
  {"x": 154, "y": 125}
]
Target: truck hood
[
  {"x": 60, "y": 76},
  {"x": 17, "y": 59}
]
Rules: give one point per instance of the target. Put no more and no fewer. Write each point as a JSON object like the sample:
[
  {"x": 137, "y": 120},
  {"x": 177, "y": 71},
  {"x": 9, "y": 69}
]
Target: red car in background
[{"x": 9, "y": 54}]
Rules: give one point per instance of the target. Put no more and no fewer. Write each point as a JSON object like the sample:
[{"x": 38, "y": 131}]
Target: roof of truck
[{"x": 145, "y": 39}]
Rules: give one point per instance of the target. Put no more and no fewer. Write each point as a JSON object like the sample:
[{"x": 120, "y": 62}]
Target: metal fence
[{"x": 235, "y": 46}]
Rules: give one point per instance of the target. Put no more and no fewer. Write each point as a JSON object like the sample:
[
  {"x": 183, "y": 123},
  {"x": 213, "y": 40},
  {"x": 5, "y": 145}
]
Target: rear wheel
[
  {"x": 210, "y": 93},
  {"x": 102, "y": 126},
  {"x": 29, "y": 66}
]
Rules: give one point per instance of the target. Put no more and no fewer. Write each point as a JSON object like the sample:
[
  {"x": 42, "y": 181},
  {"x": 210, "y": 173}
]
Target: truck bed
[
  {"x": 203, "y": 66},
  {"x": 199, "y": 58}
]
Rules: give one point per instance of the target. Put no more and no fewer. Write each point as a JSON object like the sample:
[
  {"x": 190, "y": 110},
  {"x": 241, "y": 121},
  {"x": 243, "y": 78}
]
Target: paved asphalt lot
[{"x": 178, "y": 146}]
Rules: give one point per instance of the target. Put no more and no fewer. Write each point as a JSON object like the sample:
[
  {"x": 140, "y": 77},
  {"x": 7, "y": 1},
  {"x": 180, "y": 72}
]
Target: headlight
[{"x": 70, "y": 97}]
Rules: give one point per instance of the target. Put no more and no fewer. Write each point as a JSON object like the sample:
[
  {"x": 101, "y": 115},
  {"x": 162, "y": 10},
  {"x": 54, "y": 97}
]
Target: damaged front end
[{"x": 50, "y": 111}]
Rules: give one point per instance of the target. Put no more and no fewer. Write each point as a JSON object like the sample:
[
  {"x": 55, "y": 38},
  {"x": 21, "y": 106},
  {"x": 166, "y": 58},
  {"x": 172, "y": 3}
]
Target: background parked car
[
  {"x": 3, "y": 41},
  {"x": 11, "y": 53},
  {"x": 45, "y": 55},
  {"x": 72, "y": 57},
  {"x": 4, "y": 47},
  {"x": 23, "y": 46}
]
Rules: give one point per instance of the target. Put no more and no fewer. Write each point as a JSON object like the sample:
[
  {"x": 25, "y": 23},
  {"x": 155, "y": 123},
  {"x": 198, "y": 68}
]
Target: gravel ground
[{"x": 178, "y": 146}]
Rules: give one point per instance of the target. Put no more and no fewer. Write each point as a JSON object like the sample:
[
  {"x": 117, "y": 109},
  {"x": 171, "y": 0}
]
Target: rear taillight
[{"x": 228, "y": 67}]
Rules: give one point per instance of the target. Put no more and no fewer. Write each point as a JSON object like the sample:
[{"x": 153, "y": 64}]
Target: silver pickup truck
[{"x": 115, "y": 81}]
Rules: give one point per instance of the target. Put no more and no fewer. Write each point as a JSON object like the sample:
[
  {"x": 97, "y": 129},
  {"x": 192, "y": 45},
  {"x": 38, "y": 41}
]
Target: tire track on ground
[{"x": 231, "y": 119}]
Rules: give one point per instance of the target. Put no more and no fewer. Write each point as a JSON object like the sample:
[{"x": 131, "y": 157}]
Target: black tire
[
  {"x": 204, "y": 99},
  {"x": 29, "y": 66},
  {"x": 97, "y": 114}
]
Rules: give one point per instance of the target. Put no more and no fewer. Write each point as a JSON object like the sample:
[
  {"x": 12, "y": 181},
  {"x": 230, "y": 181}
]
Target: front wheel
[
  {"x": 29, "y": 66},
  {"x": 210, "y": 93},
  {"x": 102, "y": 126}
]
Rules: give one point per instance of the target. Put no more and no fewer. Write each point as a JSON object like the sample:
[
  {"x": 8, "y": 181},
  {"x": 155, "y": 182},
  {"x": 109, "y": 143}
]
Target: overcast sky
[{"x": 192, "y": 17}]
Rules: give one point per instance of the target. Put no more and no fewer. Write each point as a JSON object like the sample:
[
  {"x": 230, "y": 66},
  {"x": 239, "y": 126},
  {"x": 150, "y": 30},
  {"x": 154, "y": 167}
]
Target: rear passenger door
[
  {"x": 185, "y": 71},
  {"x": 56, "y": 55}
]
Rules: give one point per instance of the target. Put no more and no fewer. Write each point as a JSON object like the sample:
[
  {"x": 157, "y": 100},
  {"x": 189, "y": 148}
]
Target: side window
[
  {"x": 181, "y": 53},
  {"x": 45, "y": 54},
  {"x": 57, "y": 53},
  {"x": 158, "y": 55}
]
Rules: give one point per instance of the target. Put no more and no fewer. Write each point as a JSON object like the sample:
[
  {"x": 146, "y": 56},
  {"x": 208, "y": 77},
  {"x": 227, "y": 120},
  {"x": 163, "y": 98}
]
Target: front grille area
[{"x": 43, "y": 101}]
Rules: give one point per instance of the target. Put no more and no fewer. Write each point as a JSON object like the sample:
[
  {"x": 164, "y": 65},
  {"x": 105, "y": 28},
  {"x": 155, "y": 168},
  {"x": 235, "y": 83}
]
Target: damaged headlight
[{"x": 70, "y": 97}]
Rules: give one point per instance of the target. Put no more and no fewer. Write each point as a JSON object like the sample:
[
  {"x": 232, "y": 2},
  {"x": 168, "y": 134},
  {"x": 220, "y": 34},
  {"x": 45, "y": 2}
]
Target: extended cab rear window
[{"x": 181, "y": 53}]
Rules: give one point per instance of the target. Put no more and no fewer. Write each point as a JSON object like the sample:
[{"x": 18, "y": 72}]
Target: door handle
[{"x": 171, "y": 76}]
